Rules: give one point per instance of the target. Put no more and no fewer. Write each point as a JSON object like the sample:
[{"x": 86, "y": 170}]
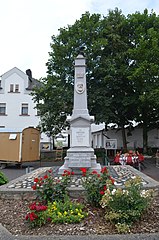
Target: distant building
[
  {"x": 101, "y": 137},
  {"x": 17, "y": 109}
]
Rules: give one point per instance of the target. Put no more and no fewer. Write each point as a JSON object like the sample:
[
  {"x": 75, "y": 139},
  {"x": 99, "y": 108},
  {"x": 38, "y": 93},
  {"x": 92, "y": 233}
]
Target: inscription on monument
[
  {"x": 80, "y": 75},
  {"x": 79, "y": 160},
  {"x": 80, "y": 136}
]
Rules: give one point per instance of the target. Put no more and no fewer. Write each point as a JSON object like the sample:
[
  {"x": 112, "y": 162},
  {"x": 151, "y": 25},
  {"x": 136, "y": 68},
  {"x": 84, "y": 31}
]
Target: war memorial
[{"x": 80, "y": 154}]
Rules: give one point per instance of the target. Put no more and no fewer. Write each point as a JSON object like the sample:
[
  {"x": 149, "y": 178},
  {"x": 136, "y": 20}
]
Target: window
[
  {"x": 11, "y": 87},
  {"x": 0, "y": 84},
  {"x": 16, "y": 87},
  {"x": 2, "y": 108},
  {"x": 24, "y": 109}
]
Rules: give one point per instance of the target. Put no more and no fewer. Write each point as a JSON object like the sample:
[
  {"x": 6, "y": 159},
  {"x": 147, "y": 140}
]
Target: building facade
[
  {"x": 17, "y": 109},
  {"x": 101, "y": 138}
]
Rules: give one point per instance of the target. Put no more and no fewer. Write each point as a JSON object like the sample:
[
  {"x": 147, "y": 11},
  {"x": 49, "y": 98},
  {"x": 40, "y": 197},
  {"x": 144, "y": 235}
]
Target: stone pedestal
[{"x": 80, "y": 154}]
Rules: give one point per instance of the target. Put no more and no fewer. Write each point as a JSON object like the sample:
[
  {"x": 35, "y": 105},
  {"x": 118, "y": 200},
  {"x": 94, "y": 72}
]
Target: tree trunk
[
  {"x": 145, "y": 138},
  {"x": 124, "y": 138}
]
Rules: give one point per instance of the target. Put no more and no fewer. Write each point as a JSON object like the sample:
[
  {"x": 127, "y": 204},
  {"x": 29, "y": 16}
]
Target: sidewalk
[
  {"x": 5, "y": 235},
  {"x": 12, "y": 171}
]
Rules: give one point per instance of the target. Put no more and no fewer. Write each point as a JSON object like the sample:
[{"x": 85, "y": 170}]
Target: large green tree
[
  {"x": 116, "y": 48},
  {"x": 144, "y": 55}
]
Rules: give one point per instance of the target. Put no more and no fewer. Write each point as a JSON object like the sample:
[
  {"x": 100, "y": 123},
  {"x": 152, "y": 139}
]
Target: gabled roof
[
  {"x": 13, "y": 70},
  {"x": 32, "y": 82}
]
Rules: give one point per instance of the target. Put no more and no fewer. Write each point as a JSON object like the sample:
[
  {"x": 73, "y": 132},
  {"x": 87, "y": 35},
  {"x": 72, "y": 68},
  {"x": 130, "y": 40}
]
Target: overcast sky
[{"x": 27, "y": 26}]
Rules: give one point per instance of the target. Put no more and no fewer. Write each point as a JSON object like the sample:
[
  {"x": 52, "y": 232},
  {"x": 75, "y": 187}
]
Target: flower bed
[{"x": 121, "y": 207}]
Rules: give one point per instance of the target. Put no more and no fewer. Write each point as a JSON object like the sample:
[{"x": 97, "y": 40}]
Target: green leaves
[
  {"x": 122, "y": 55},
  {"x": 124, "y": 206},
  {"x": 3, "y": 179}
]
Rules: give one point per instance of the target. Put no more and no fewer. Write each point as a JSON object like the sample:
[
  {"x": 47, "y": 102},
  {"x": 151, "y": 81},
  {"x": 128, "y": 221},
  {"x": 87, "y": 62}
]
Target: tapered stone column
[{"x": 80, "y": 154}]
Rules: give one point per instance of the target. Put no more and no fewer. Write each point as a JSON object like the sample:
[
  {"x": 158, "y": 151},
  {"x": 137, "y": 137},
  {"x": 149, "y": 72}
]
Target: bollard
[{"x": 29, "y": 169}]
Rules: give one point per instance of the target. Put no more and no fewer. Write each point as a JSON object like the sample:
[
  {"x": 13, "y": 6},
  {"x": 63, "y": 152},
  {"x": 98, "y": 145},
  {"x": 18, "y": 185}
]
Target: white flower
[{"x": 113, "y": 191}]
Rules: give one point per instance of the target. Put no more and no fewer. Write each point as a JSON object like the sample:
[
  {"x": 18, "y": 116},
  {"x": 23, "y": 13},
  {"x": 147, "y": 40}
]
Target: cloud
[{"x": 27, "y": 26}]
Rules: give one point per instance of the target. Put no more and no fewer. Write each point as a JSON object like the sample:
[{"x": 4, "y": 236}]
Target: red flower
[
  {"x": 112, "y": 180},
  {"x": 104, "y": 170},
  {"x": 94, "y": 172},
  {"x": 36, "y": 180},
  {"x": 50, "y": 170},
  {"x": 84, "y": 170},
  {"x": 46, "y": 176},
  {"x": 32, "y": 206},
  {"x": 102, "y": 192},
  {"x": 34, "y": 187},
  {"x": 32, "y": 216},
  {"x": 72, "y": 173},
  {"x": 66, "y": 173},
  {"x": 105, "y": 187},
  {"x": 40, "y": 208}
]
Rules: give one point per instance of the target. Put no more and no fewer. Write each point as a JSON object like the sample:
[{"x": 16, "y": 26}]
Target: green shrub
[
  {"x": 48, "y": 188},
  {"x": 66, "y": 212},
  {"x": 3, "y": 179},
  {"x": 95, "y": 185},
  {"x": 37, "y": 215},
  {"x": 124, "y": 206},
  {"x": 57, "y": 212}
]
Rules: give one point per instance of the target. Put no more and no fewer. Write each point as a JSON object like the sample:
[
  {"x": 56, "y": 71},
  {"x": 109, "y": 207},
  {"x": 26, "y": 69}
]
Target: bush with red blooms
[
  {"x": 50, "y": 188},
  {"x": 96, "y": 184},
  {"x": 37, "y": 215}
]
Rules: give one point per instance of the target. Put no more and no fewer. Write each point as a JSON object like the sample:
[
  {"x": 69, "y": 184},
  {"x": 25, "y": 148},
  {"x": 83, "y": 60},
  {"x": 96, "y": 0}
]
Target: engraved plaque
[
  {"x": 80, "y": 137},
  {"x": 80, "y": 75},
  {"x": 79, "y": 160}
]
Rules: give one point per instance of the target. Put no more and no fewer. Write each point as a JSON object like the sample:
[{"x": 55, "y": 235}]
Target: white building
[
  {"x": 17, "y": 109},
  {"x": 101, "y": 137}
]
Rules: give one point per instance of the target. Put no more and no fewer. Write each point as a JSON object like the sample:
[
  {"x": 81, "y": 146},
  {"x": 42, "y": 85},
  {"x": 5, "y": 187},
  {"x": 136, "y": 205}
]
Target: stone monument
[{"x": 80, "y": 154}]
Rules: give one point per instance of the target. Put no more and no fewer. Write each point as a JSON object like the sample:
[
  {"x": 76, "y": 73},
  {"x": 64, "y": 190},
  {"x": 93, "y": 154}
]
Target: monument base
[{"x": 80, "y": 158}]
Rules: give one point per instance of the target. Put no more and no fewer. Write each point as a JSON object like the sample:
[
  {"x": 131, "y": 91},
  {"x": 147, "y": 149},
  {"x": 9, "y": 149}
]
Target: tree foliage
[
  {"x": 122, "y": 55},
  {"x": 144, "y": 53}
]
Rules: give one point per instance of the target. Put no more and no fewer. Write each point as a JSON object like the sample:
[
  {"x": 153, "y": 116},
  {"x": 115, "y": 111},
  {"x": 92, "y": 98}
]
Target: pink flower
[{"x": 49, "y": 219}]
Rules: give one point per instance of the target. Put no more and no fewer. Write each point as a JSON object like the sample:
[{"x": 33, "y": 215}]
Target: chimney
[{"x": 29, "y": 73}]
